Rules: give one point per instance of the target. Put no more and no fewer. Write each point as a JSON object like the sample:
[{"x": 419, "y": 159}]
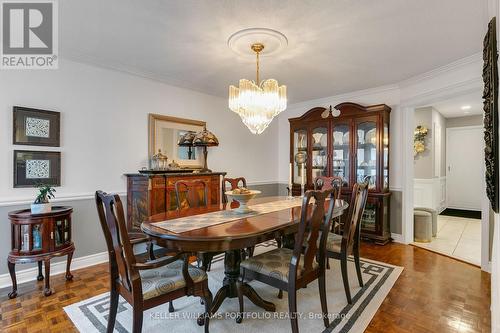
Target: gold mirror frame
[{"x": 152, "y": 121}]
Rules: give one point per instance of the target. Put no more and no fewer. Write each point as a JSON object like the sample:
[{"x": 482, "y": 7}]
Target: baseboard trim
[
  {"x": 398, "y": 238},
  {"x": 28, "y": 275}
]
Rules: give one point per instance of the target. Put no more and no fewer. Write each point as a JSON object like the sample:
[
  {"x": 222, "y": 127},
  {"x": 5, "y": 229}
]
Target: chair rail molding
[{"x": 62, "y": 198}]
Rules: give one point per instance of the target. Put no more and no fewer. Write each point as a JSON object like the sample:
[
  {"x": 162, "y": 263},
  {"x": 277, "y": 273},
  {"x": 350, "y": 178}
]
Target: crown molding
[
  {"x": 86, "y": 59},
  {"x": 474, "y": 58},
  {"x": 448, "y": 91},
  {"x": 323, "y": 101}
]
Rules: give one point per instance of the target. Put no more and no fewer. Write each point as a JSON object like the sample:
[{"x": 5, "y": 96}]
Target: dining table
[{"x": 219, "y": 228}]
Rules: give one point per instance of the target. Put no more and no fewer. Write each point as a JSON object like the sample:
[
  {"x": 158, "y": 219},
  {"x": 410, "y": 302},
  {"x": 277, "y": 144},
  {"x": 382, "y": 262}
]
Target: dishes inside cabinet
[{"x": 371, "y": 136}]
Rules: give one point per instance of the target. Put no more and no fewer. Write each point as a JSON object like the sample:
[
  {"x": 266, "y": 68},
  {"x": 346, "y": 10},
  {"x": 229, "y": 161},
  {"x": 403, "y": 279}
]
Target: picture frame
[
  {"x": 32, "y": 168},
  {"x": 35, "y": 127},
  {"x": 490, "y": 106},
  {"x": 164, "y": 132}
]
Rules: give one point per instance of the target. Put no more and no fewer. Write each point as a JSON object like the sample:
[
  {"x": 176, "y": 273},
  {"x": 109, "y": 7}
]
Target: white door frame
[
  {"x": 448, "y": 130},
  {"x": 408, "y": 107}
]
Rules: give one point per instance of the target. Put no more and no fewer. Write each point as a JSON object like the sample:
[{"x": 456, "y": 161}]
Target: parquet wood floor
[{"x": 433, "y": 294}]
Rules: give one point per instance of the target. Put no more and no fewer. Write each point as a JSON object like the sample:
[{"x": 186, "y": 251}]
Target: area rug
[{"x": 91, "y": 315}]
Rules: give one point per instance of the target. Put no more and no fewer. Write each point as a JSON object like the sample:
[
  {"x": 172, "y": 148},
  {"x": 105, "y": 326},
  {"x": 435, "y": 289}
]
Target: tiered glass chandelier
[{"x": 257, "y": 103}]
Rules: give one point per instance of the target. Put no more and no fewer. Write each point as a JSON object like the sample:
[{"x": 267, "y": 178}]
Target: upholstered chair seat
[
  {"x": 163, "y": 280},
  {"x": 144, "y": 284},
  {"x": 292, "y": 270},
  {"x": 334, "y": 242},
  {"x": 275, "y": 264}
]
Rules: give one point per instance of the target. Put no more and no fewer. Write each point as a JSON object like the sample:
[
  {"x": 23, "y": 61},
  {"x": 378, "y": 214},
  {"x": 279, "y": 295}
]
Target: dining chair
[
  {"x": 340, "y": 247},
  {"x": 291, "y": 270},
  {"x": 189, "y": 194},
  {"x": 233, "y": 182},
  {"x": 325, "y": 183},
  {"x": 144, "y": 285}
]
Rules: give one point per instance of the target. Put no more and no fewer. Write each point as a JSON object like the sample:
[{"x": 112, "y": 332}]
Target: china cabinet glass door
[
  {"x": 299, "y": 156},
  {"x": 368, "y": 219},
  {"x": 319, "y": 159},
  {"x": 341, "y": 147},
  {"x": 366, "y": 154}
]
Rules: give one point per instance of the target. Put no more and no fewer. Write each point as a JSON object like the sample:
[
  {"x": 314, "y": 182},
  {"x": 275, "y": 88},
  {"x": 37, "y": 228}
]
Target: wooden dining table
[{"x": 231, "y": 237}]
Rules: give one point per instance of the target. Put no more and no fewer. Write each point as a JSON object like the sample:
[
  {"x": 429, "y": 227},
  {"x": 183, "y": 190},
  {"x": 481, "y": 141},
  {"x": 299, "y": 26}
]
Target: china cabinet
[
  {"x": 351, "y": 142},
  {"x": 39, "y": 238}
]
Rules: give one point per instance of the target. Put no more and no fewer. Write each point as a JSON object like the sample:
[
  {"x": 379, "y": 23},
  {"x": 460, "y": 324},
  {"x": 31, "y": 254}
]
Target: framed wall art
[
  {"x": 32, "y": 168},
  {"x": 36, "y": 127},
  {"x": 490, "y": 106}
]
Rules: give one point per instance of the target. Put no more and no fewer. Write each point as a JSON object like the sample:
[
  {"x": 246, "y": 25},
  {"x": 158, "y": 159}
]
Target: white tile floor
[{"x": 457, "y": 237}]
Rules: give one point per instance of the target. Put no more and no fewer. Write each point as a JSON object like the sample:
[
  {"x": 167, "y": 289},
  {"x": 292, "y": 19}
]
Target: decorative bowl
[
  {"x": 243, "y": 200},
  {"x": 300, "y": 157}
]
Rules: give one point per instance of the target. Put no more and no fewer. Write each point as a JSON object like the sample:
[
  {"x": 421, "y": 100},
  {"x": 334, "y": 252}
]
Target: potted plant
[{"x": 41, "y": 204}]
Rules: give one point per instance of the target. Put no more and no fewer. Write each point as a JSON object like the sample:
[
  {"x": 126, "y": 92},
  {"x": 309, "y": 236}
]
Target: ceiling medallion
[{"x": 256, "y": 102}]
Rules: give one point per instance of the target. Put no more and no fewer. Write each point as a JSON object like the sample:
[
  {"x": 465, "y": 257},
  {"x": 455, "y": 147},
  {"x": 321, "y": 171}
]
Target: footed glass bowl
[{"x": 243, "y": 199}]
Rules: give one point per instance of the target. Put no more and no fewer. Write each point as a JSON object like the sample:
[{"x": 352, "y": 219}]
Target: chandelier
[{"x": 257, "y": 103}]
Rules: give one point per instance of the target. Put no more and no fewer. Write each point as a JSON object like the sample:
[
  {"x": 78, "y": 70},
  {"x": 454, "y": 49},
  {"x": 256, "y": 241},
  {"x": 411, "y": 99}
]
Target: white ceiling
[
  {"x": 334, "y": 46},
  {"x": 452, "y": 108}
]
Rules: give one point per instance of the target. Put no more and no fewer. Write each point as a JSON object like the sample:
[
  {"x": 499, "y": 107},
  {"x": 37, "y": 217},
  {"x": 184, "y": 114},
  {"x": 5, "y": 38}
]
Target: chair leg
[
  {"x": 208, "y": 305},
  {"x": 358, "y": 268},
  {"x": 327, "y": 263},
  {"x": 137, "y": 319},
  {"x": 239, "y": 290},
  {"x": 205, "y": 262},
  {"x": 322, "y": 297},
  {"x": 151, "y": 251},
  {"x": 345, "y": 278},
  {"x": 250, "y": 251},
  {"x": 113, "y": 308},
  {"x": 171, "y": 307},
  {"x": 292, "y": 310}
]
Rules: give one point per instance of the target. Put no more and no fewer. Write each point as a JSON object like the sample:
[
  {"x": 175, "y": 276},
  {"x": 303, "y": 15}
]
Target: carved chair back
[
  {"x": 326, "y": 183},
  {"x": 233, "y": 182},
  {"x": 313, "y": 221},
  {"x": 191, "y": 194},
  {"x": 351, "y": 234},
  {"x": 121, "y": 254}
]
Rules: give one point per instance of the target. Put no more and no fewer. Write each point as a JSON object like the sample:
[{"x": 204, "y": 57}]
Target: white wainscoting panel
[{"x": 430, "y": 193}]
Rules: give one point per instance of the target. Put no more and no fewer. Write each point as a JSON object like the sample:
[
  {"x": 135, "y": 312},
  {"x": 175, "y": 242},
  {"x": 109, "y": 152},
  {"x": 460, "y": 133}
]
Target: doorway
[
  {"x": 448, "y": 177},
  {"x": 464, "y": 160}
]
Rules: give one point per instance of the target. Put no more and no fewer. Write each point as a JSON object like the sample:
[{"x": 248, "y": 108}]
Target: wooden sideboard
[{"x": 154, "y": 193}]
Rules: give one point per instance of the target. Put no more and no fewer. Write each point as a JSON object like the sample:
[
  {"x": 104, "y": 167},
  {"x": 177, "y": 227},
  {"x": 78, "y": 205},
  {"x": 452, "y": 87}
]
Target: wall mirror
[{"x": 164, "y": 134}]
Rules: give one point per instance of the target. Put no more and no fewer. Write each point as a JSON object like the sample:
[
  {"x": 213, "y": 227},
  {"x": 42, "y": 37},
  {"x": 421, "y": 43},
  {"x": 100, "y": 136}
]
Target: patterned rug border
[{"x": 357, "y": 321}]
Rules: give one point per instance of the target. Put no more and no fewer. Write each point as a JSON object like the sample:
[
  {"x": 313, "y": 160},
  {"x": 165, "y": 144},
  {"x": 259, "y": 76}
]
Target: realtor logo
[{"x": 29, "y": 34}]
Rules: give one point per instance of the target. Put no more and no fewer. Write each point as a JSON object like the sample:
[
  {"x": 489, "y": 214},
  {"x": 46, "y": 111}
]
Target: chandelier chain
[{"x": 258, "y": 68}]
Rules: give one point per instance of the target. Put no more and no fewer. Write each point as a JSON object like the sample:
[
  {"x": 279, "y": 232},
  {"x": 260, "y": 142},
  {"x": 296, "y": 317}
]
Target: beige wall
[{"x": 425, "y": 163}]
